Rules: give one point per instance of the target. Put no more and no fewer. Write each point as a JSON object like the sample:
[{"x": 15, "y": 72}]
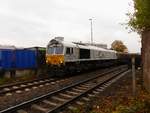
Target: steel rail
[
  {"x": 29, "y": 102},
  {"x": 84, "y": 93},
  {"x": 19, "y": 83},
  {"x": 2, "y": 92},
  {"x": 11, "y": 89}
]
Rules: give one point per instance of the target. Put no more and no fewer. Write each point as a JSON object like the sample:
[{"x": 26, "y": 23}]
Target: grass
[
  {"x": 24, "y": 77},
  {"x": 123, "y": 102},
  {"x": 6, "y": 80},
  {"x": 137, "y": 106}
]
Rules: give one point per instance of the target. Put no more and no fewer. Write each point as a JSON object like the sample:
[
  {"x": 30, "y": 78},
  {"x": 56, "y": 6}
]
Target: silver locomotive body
[{"x": 71, "y": 57}]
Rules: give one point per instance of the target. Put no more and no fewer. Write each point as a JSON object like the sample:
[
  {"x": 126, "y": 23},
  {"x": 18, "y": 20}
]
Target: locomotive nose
[{"x": 55, "y": 59}]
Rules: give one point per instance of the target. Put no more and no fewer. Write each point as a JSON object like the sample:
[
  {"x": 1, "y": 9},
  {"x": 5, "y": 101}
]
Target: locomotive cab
[{"x": 55, "y": 53}]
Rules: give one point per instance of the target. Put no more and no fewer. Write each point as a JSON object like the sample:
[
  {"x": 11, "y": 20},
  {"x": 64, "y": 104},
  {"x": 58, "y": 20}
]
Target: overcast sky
[{"x": 35, "y": 22}]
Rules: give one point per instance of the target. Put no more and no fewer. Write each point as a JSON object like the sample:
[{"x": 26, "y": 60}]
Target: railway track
[
  {"x": 33, "y": 84},
  {"x": 17, "y": 87},
  {"x": 56, "y": 100}
]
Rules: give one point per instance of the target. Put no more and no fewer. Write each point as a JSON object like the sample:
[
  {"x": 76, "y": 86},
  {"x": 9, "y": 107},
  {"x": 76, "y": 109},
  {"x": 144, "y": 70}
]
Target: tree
[
  {"x": 140, "y": 22},
  {"x": 118, "y": 46}
]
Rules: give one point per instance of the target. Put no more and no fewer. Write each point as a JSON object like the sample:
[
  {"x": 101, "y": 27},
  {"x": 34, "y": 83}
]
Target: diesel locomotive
[{"x": 66, "y": 57}]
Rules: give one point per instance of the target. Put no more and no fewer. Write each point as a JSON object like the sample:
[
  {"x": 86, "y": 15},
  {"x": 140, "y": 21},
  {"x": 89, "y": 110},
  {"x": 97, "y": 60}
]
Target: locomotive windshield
[{"x": 55, "y": 50}]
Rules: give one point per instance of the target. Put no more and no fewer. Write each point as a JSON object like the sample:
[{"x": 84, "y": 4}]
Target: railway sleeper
[
  {"x": 50, "y": 103},
  {"x": 18, "y": 91},
  {"x": 22, "y": 111},
  {"x": 72, "y": 108},
  {"x": 99, "y": 89},
  {"x": 65, "y": 95},
  {"x": 73, "y": 93},
  {"x": 79, "y": 103},
  {"x": 82, "y": 88},
  {"x": 91, "y": 95},
  {"x": 85, "y": 99},
  {"x": 84, "y": 85},
  {"x": 23, "y": 85},
  {"x": 77, "y": 90},
  {"x": 96, "y": 92},
  {"x": 59, "y": 99},
  {"x": 38, "y": 109},
  {"x": 6, "y": 89}
]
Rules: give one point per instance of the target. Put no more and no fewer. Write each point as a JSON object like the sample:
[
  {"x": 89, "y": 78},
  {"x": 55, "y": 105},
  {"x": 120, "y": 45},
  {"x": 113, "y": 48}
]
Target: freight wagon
[
  {"x": 40, "y": 56},
  {"x": 6, "y": 58},
  {"x": 12, "y": 59}
]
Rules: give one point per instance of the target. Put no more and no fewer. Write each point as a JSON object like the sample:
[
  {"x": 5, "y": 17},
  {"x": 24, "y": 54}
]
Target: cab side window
[{"x": 69, "y": 50}]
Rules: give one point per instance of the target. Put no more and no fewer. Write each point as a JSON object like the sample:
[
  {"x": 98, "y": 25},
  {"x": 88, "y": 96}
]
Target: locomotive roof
[{"x": 77, "y": 45}]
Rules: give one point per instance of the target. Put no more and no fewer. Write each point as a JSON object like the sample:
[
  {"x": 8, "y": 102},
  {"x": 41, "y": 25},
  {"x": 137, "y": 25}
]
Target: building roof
[{"x": 7, "y": 47}]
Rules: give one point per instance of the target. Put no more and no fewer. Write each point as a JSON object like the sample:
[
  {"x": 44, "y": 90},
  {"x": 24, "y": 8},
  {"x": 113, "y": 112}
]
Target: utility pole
[{"x": 91, "y": 20}]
